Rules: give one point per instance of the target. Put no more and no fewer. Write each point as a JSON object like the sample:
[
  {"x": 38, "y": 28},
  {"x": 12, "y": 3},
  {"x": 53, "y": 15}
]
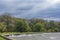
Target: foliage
[{"x": 13, "y": 24}]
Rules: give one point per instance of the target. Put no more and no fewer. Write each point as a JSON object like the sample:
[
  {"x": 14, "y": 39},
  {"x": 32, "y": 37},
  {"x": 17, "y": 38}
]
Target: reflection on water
[{"x": 44, "y": 36}]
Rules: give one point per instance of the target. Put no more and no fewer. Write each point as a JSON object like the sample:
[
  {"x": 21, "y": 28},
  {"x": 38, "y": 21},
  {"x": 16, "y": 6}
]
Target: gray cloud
[{"x": 31, "y": 8}]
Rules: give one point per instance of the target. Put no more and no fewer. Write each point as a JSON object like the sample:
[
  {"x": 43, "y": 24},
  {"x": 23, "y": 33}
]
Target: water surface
[{"x": 43, "y": 36}]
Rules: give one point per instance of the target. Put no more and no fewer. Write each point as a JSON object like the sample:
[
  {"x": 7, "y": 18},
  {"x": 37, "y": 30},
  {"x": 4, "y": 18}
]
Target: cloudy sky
[{"x": 47, "y": 9}]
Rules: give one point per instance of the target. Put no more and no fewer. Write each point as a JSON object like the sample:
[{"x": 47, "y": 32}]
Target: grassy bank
[
  {"x": 7, "y": 33},
  {"x": 2, "y": 38}
]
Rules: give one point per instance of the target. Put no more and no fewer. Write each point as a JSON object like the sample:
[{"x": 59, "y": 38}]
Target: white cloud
[{"x": 55, "y": 19}]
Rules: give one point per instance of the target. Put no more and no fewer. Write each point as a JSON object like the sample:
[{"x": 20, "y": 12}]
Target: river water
[{"x": 43, "y": 36}]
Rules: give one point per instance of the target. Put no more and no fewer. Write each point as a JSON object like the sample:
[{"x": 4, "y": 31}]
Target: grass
[
  {"x": 7, "y": 33},
  {"x": 2, "y": 38}
]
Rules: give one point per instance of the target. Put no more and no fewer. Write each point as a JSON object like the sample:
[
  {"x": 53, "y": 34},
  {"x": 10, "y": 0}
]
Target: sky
[{"x": 46, "y": 9}]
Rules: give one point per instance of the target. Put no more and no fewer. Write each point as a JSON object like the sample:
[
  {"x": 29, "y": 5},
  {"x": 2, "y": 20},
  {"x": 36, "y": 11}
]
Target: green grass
[{"x": 1, "y": 38}]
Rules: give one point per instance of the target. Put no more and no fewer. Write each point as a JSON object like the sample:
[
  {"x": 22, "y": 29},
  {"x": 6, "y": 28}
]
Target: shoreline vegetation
[
  {"x": 2, "y": 38},
  {"x": 8, "y": 23},
  {"x": 21, "y": 33},
  {"x": 8, "y": 33}
]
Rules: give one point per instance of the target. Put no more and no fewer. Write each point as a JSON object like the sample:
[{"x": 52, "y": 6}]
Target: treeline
[{"x": 9, "y": 23}]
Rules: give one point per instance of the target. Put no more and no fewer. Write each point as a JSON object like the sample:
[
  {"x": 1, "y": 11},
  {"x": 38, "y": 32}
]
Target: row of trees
[{"x": 13, "y": 24}]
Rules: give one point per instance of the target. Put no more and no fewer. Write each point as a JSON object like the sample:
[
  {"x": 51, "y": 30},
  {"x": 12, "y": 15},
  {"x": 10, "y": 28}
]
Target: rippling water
[{"x": 44, "y": 36}]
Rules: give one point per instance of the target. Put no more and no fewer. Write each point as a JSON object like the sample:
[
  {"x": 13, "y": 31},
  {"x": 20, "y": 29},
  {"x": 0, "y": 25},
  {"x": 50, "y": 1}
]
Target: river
[{"x": 43, "y": 36}]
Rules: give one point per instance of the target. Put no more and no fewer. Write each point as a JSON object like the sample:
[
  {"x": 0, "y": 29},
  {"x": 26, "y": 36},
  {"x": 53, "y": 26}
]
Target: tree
[
  {"x": 38, "y": 27},
  {"x": 2, "y": 27},
  {"x": 9, "y": 21},
  {"x": 22, "y": 26}
]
